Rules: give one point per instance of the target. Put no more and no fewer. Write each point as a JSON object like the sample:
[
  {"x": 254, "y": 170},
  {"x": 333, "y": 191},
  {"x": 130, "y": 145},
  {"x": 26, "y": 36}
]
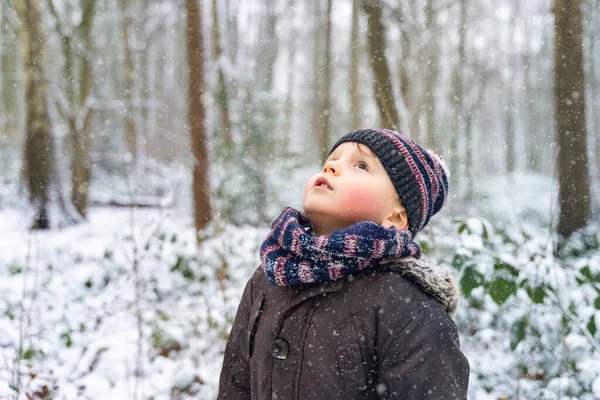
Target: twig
[
  {"x": 138, "y": 371},
  {"x": 575, "y": 320},
  {"x": 561, "y": 361},
  {"x": 17, "y": 367}
]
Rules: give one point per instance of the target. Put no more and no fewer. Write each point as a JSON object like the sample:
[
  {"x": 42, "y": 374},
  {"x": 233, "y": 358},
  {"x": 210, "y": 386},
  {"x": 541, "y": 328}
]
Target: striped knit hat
[{"x": 419, "y": 175}]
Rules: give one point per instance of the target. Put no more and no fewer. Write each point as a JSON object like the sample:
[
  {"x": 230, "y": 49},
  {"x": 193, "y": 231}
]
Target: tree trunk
[
  {"x": 79, "y": 128},
  {"x": 39, "y": 144},
  {"x": 432, "y": 75},
  {"x": 197, "y": 114},
  {"x": 378, "y": 48},
  {"x": 131, "y": 138},
  {"x": 289, "y": 97},
  {"x": 458, "y": 91},
  {"x": 510, "y": 133},
  {"x": 317, "y": 76},
  {"x": 469, "y": 154},
  {"x": 512, "y": 100},
  {"x": 569, "y": 96},
  {"x": 404, "y": 76},
  {"x": 532, "y": 136},
  {"x": 147, "y": 74},
  {"x": 325, "y": 109},
  {"x": 81, "y": 163},
  {"x": 470, "y": 190},
  {"x": 221, "y": 95},
  {"x": 412, "y": 112},
  {"x": 268, "y": 47},
  {"x": 8, "y": 65},
  {"x": 594, "y": 94},
  {"x": 232, "y": 29},
  {"x": 355, "y": 109}
]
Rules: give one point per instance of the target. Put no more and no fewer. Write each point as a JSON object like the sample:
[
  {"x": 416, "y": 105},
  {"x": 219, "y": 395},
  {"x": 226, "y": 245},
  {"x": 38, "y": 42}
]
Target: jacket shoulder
[
  {"x": 434, "y": 280},
  {"x": 427, "y": 284}
]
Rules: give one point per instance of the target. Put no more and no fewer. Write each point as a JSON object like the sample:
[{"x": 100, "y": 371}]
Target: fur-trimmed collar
[{"x": 434, "y": 280}]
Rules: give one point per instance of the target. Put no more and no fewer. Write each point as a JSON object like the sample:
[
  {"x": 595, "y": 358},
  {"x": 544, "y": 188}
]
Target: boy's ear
[{"x": 397, "y": 218}]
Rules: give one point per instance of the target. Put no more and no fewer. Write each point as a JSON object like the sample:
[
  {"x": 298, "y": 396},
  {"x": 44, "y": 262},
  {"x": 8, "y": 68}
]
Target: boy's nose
[{"x": 330, "y": 167}]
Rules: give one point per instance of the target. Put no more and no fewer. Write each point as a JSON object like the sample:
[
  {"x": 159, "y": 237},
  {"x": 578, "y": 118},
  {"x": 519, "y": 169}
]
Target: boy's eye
[{"x": 362, "y": 165}]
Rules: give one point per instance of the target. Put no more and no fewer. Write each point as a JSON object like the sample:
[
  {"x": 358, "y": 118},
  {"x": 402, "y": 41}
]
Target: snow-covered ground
[
  {"x": 125, "y": 306},
  {"x": 121, "y": 307}
]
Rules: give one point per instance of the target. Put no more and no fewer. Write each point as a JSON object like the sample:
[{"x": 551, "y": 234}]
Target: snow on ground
[
  {"x": 70, "y": 305},
  {"x": 125, "y": 306}
]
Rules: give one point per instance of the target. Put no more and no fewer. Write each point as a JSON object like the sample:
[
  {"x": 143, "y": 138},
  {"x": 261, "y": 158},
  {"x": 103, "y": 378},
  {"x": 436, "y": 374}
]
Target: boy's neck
[{"x": 325, "y": 229}]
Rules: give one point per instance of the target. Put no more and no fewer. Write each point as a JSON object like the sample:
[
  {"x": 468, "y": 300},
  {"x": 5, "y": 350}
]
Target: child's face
[{"x": 352, "y": 187}]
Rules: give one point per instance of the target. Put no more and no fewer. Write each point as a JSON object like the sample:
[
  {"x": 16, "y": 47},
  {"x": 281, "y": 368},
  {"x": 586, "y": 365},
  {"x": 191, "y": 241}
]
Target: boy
[{"x": 341, "y": 306}]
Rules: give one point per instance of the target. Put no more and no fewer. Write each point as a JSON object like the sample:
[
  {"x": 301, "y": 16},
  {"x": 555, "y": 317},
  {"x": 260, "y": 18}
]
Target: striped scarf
[{"x": 291, "y": 256}]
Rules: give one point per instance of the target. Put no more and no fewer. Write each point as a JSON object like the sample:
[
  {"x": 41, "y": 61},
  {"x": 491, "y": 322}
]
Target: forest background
[{"x": 146, "y": 145}]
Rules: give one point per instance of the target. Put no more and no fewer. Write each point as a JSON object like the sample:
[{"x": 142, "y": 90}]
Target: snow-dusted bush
[{"x": 529, "y": 318}]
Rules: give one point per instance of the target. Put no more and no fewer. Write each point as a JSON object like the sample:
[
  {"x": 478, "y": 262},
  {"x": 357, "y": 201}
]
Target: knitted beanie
[{"x": 419, "y": 175}]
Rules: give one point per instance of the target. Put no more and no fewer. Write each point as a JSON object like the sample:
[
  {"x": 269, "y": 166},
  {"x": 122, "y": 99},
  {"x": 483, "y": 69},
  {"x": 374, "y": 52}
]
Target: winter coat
[{"x": 385, "y": 333}]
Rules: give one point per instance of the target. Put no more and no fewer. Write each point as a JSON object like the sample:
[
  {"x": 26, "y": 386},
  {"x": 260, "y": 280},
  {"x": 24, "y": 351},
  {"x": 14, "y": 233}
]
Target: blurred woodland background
[
  {"x": 212, "y": 111},
  {"x": 96, "y": 90}
]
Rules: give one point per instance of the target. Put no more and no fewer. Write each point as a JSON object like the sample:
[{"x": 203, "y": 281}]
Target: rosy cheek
[{"x": 359, "y": 203}]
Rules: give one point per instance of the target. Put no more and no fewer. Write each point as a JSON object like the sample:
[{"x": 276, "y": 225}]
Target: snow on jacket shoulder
[{"x": 386, "y": 333}]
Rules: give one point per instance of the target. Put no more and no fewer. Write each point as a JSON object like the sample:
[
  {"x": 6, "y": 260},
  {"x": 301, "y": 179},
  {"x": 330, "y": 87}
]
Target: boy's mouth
[{"x": 322, "y": 182}]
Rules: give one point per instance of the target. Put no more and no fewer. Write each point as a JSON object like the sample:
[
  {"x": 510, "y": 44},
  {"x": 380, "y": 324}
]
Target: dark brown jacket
[{"x": 383, "y": 334}]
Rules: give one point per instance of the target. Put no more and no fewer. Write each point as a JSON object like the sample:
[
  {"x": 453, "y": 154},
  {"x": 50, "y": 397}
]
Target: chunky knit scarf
[{"x": 291, "y": 256}]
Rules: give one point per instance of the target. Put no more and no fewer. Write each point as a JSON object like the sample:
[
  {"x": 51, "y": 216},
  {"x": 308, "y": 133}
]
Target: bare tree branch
[
  {"x": 11, "y": 14},
  {"x": 57, "y": 22}
]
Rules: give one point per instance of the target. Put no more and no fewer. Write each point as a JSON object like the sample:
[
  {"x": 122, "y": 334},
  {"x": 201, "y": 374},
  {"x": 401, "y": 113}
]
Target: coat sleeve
[
  {"x": 234, "y": 382},
  {"x": 424, "y": 360}
]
